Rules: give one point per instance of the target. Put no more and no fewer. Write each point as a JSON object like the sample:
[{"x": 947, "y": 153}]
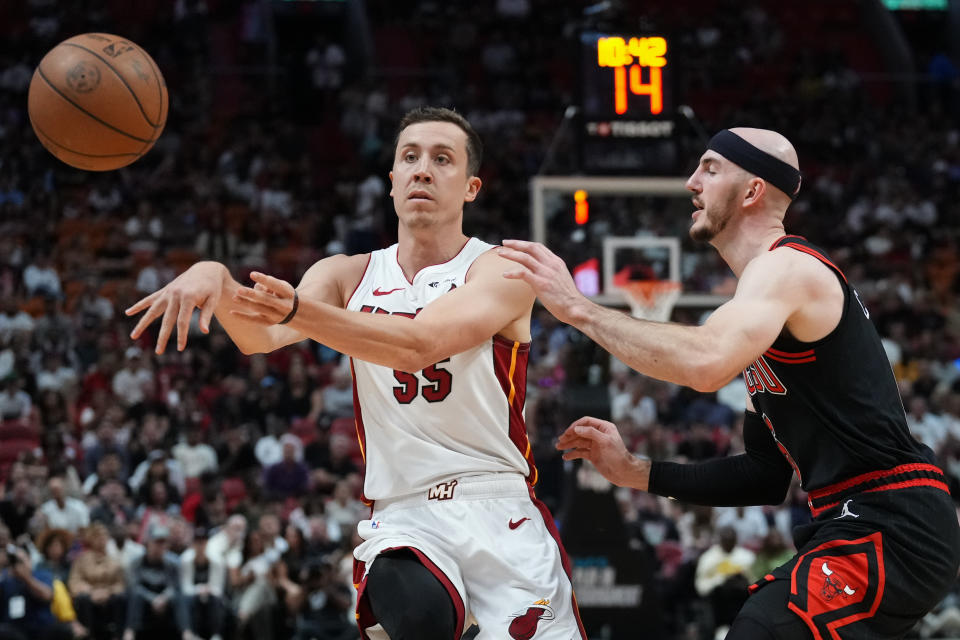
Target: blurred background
[{"x": 209, "y": 494}]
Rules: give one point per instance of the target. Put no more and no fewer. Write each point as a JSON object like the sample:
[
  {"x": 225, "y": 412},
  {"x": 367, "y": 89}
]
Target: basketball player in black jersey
[{"x": 884, "y": 543}]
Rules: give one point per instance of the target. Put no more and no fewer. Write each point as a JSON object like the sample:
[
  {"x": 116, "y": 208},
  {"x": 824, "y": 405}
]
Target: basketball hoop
[{"x": 651, "y": 299}]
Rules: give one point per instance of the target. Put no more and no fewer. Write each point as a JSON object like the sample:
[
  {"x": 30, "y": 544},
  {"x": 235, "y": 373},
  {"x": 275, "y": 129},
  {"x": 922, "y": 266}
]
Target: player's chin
[{"x": 701, "y": 232}]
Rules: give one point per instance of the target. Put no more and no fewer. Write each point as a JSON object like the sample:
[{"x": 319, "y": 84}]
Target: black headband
[{"x": 760, "y": 163}]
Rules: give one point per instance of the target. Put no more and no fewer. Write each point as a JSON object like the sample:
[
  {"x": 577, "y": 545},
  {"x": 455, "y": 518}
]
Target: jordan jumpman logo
[{"x": 846, "y": 511}]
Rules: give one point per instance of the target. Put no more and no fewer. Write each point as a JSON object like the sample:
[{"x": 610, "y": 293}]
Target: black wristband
[{"x": 293, "y": 311}]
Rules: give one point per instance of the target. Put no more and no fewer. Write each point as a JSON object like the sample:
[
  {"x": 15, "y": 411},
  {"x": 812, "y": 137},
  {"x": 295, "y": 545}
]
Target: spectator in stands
[
  {"x": 926, "y": 426},
  {"x": 235, "y": 453},
  {"x": 157, "y": 506},
  {"x": 113, "y": 506},
  {"x": 319, "y": 540},
  {"x": 201, "y": 610},
  {"x": 54, "y": 329},
  {"x": 93, "y": 306},
  {"x": 41, "y": 277},
  {"x": 326, "y": 602},
  {"x": 53, "y": 545},
  {"x": 290, "y": 476},
  {"x": 153, "y": 590},
  {"x": 97, "y": 585},
  {"x": 226, "y": 546},
  {"x": 773, "y": 552},
  {"x": 268, "y": 449},
  {"x": 269, "y": 527},
  {"x": 104, "y": 197},
  {"x": 338, "y": 395},
  {"x": 62, "y": 511},
  {"x": 750, "y": 523},
  {"x": 194, "y": 455},
  {"x": 295, "y": 557},
  {"x": 15, "y": 403},
  {"x": 343, "y": 509},
  {"x": 133, "y": 384},
  {"x": 300, "y": 397},
  {"x": 124, "y": 546},
  {"x": 13, "y": 319},
  {"x": 254, "y": 593},
  {"x": 18, "y": 506},
  {"x": 159, "y": 466},
  {"x": 25, "y": 596},
  {"x": 103, "y": 443},
  {"x": 55, "y": 375},
  {"x": 109, "y": 467},
  {"x": 723, "y": 574}
]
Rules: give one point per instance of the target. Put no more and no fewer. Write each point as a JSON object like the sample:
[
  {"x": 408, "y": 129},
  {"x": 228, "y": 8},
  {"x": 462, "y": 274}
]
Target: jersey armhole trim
[
  {"x": 844, "y": 287},
  {"x": 366, "y": 268}
]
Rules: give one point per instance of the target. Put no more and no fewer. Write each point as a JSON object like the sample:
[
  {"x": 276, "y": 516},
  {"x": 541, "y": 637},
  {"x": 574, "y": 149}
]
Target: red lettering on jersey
[
  {"x": 439, "y": 381},
  {"x": 369, "y": 308},
  {"x": 770, "y": 379},
  {"x": 760, "y": 377}
]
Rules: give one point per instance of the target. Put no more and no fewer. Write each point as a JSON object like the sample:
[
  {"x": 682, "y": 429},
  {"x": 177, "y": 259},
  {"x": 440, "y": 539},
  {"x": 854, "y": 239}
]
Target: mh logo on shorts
[
  {"x": 443, "y": 491},
  {"x": 525, "y": 622}
]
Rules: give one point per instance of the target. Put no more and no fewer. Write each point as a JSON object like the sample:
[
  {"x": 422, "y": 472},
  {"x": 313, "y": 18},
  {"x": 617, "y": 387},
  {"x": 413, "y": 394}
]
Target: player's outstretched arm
[
  {"x": 599, "y": 442},
  {"x": 761, "y": 475},
  {"x": 702, "y": 357},
  {"x": 487, "y": 304},
  {"x": 210, "y": 287}
]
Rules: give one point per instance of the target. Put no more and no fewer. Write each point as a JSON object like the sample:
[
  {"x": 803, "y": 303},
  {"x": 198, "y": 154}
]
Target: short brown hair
[{"x": 442, "y": 114}]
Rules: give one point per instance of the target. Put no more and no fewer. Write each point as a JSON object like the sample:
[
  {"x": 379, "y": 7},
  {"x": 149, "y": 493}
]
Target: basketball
[{"x": 97, "y": 102}]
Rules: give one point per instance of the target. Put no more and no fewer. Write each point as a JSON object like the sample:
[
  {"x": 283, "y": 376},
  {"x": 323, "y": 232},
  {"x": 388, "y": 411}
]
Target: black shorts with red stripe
[{"x": 869, "y": 566}]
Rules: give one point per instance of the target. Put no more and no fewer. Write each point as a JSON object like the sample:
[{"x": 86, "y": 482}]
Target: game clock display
[{"x": 627, "y": 103}]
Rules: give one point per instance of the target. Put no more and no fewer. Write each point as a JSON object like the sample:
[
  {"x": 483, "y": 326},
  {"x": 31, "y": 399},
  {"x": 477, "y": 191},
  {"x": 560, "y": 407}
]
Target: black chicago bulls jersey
[{"x": 833, "y": 405}]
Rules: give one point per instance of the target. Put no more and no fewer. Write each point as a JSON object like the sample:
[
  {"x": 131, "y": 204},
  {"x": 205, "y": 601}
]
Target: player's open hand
[
  {"x": 546, "y": 274},
  {"x": 200, "y": 286},
  {"x": 267, "y": 302},
  {"x": 599, "y": 442}
]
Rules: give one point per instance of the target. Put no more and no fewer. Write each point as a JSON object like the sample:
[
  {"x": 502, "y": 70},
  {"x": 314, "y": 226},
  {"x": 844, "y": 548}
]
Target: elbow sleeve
[{"x": 759, "y": 476}]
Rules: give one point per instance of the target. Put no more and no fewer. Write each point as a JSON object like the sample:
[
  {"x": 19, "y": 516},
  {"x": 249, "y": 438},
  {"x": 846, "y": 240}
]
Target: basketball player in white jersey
[{"x": 438, "y": 341}]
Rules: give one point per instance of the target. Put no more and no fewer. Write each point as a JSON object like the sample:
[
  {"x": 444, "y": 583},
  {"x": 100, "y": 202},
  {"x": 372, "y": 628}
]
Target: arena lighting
[{"x": 582, "y": 207}]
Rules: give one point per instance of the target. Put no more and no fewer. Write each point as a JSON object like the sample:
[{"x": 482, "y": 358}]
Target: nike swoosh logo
[
  {"x": 514, "y": 525},
  {"x": 377, "y": 291}
]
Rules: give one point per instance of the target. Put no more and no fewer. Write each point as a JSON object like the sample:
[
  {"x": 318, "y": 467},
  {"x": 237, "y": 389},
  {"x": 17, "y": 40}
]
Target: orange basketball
[{"x": 97, "y": 101}]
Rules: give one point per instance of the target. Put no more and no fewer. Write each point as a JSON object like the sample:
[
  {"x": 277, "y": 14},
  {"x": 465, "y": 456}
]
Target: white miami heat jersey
[{"x": 460, "y": 416}]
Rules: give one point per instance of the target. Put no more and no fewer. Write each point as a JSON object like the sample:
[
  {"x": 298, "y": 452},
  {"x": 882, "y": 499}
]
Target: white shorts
[{"x": 494, "y": 547}]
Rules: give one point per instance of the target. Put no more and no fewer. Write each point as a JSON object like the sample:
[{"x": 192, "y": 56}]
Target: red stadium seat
[
  {"x": 17, "y": 430},
  {"x": 345, "y": 426},
  {"x": 11, "y": 449},
  {"x": 305, "y": 429},
  {"x": 234, "y": 492}
]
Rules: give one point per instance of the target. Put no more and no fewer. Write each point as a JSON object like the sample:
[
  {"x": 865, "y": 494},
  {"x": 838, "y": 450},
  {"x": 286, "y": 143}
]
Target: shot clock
[{"x": 627, "y": 103}]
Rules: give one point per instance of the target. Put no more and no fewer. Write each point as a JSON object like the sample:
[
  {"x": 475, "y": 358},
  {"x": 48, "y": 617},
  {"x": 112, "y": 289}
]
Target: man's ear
[
  {"x": 756, "y": 188},
  {"x": 391, "y": 183},
  {"x": 473, "y": 188}
]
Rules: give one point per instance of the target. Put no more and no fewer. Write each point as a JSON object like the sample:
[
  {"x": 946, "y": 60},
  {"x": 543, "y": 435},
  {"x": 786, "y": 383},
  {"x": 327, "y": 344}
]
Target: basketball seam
[
  {"x": 122, "y": 79},
  {"x": 79, "y": 153},
  {"x": 82, "y": 110},
  {"x": 161, "y": 117}
]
